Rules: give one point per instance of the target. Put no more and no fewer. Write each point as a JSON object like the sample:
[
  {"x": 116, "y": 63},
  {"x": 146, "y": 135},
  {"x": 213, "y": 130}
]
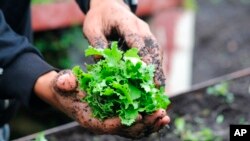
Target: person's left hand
[
  {"x": 61, "y": 90},
  {"x": 106, "y": 16}
]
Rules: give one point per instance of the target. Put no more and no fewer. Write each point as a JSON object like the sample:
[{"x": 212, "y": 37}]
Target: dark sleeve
[
  {"x": 20, "y": 65},
  {"x": 84, "y": 5}
]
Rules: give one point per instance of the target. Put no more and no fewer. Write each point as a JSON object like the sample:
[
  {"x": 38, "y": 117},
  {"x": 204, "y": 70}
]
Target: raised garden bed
[{"x": 199, "y": 114}]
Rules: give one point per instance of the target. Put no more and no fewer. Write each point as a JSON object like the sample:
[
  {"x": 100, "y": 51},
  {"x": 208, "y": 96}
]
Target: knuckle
[{"x": 144, "y": 25}]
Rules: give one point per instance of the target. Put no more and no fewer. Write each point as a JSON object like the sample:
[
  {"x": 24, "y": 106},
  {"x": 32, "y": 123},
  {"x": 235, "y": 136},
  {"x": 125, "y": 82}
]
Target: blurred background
[{"x": 201, "y": 39}]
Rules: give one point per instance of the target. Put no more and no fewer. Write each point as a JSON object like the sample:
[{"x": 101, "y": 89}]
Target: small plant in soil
[
  {"x": 242, "y": 120},
  {"x": 120, "y": 84},
  {"x": 221, "y": 90},
  {"x": 185, "y": 131},
  {"x": 219, "y": 119},
  {"x": 41, "y": 137}
]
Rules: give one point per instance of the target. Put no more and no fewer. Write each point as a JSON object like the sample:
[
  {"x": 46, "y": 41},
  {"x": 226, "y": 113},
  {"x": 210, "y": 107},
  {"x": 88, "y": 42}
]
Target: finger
[
  {"x": 113, "y": 122},
  {"x": 109, "y": 126},
  {"x": 151, "y": 119},
  {"x": 164, "y": 121},
  {"x": 65, "y": 83},
  {"x": 155, "y": 121},
  {"x": 151, "y": 55},
  {"x": 95, "y": 35},
  {"x": 133, "y": 32},
  {"x": 135, "y": 132},
  {"x": 113, "y": 125},
  {"x": 161, "y": 123},
  {"x": 81, "y": 95},
  {"x": 139, "y": 118}
]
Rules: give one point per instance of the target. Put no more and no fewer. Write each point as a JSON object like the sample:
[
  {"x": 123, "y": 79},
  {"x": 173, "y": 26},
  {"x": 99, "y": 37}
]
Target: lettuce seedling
[{"x": 120, "y": 84}]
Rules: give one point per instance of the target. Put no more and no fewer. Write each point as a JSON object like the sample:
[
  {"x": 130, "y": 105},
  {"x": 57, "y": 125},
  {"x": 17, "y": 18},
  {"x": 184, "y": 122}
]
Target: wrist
[{"x": 43, "y": 89}]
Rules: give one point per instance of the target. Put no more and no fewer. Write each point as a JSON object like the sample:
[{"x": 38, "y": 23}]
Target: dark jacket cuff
[{"x": 19, "y": 77}]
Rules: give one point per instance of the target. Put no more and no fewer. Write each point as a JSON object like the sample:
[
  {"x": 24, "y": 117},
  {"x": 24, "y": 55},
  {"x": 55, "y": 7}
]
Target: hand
[
  {"x": 63, "y": 93},
  {"x": 106, "y": 16}
]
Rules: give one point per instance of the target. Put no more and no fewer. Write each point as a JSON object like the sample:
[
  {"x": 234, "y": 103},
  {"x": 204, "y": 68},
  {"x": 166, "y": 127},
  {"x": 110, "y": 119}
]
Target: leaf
[
  {"x": 146, "y": 87},
  {"x": 180, "y": 124},
  {"x": 129, "y": 116},
  {"x": 108, "y": 91},
  {"x": 162, "y": 100},
  {"x": 83, "y": 78},
  {"x": 220, "y": 119},
  {"x": 123, "y": 89},
  {"x": 93, "y": 51},
  {"x": 134, "y": 92},
  {"x": 133, "y": 52},
  {"x": 113, "y": 55},
  {"x": 41, "y": 137}
]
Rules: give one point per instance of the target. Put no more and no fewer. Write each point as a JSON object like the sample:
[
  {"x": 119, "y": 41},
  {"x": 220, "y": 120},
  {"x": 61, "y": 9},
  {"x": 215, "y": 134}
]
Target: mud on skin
[
  {"x": 66, "y": 88},
  {"x": 99, "y": 43},
  {"x": 149, "y": 50},
  {"x": 150, "y": 54}
]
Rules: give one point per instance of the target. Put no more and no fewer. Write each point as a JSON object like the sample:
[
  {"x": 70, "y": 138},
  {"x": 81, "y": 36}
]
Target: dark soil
[
  {"x": 222, "y": 38},
  {"x": 205, "y": 108}
]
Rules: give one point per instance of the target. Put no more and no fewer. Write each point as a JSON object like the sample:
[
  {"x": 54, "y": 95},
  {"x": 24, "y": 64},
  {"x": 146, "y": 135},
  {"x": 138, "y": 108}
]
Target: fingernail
[
  {"x": 139, "y": 117},
  {"x": 62, "y": 80}
]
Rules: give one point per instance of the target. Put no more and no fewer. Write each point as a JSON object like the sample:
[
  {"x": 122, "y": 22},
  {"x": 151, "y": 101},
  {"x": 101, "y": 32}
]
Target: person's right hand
[
  {"x": 106, "y": 16},
  {"x": 66, "y": 96}
]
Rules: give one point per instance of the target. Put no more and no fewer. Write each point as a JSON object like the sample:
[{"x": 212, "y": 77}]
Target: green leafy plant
[
  {"x": 221, "y": 90},
  {"x": 41, "y": 137},
  {"x": 121, "y": 85},
  {"x": 186, "y": 133},
  {"x": 220, "y": 119},
  {"x": 243, "y": 120}
]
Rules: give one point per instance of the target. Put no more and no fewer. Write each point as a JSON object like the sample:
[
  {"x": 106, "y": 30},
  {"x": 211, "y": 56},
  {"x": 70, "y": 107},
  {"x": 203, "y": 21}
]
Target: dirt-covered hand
[
  {"x": 106, "y": 16},
  {"x": 68, "y": 96}
]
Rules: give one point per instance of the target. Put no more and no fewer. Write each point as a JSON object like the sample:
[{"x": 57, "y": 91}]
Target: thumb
[{"x": 65, "y": 83}]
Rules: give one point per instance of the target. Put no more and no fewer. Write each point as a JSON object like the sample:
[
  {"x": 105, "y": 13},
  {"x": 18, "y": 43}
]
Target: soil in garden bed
[
  {"x": 202, "y": 110},
  {"x": 222, "y": 38}
]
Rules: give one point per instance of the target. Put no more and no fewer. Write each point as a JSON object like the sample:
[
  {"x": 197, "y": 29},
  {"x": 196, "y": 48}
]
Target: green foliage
[
  {"x": 220, "y": 119},
  {"x": 221, "y": 90},
  {"x": 41, "y": 137},
  {"x": 57, "y": 45},
  {"x": 243, "y": 120},
  {"x": 120, "y": 85},
  {"x": 42, "y": 1},
  {"x": 190, "y": 5},
  {"x": 186, "y": 133}
]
